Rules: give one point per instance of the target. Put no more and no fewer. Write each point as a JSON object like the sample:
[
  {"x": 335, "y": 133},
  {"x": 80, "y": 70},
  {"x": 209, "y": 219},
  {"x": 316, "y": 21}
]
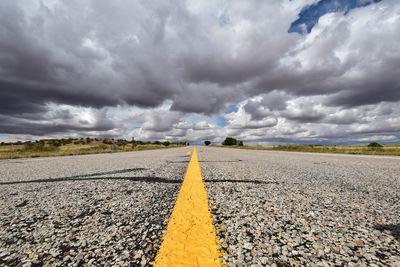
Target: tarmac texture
[{"x": 269, "y": 208}]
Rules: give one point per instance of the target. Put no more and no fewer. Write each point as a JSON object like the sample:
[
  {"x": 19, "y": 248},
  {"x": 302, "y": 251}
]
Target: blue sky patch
[
  {"x": 136, "y": 126},
  {"x": 231, "y": 108},
  {"x": 310, "y": 14},
  {"x": 221, "y": 121}
]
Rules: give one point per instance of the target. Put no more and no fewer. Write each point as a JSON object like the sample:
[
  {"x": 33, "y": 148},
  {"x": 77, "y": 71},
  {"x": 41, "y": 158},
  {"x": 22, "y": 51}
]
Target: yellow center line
[{"x": 190, "y": 239}]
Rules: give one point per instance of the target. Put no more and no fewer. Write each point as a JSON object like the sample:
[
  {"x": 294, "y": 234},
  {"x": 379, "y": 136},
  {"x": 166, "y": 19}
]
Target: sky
[{"x": 265, "y": 72}]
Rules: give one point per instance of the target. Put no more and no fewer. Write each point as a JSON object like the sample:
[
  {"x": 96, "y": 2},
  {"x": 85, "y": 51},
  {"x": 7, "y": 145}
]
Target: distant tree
[
  {"x": 207, "y": 143},
  {"x": 157, "y": 142},
  {"x": 375, "y": 146},
  {"x": 166, "y": 143},
  {"x": 229, "y": 141},
  {"x": 240, "y": 143}
]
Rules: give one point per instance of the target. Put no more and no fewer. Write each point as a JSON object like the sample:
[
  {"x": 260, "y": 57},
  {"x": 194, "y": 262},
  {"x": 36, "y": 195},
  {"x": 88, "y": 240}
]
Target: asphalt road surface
[{"x": 269, "y": 208}]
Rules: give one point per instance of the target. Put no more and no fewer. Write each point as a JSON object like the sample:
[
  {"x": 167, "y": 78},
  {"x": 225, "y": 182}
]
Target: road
[{"x": 269, "y": 208}]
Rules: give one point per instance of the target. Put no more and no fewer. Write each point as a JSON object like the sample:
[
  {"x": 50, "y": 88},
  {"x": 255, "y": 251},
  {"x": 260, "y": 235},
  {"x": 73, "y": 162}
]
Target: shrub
[
  {"x": 229, "y": 141},
  {"x": 57, "y": 143},
  {"x": 240, "y": 143},
  {"x": 107, "y": 141},
  {"x": 166, "y": 143},
  {"x": 375, "y": 146},
  {"x": 122, "y": 142},
  {"x": 207, "y": 143}
]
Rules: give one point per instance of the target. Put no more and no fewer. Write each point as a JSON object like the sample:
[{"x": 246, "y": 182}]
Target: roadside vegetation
[
  {"x": 77, "y": 146},
  {"x": 230, "y": 141},
  {"x": 373, "y": 148}
]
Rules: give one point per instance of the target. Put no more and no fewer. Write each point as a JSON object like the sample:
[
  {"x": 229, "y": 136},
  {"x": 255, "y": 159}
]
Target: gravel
[
  {"x": 303, "y": 209},
  {"x": 109, "y": 209},
  {"x": 269, "y": 208}
]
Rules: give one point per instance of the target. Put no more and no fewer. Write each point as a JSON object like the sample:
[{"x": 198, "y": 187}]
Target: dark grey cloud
[
  {"x": 305, "y": 116},
  {"x": 12, "y": 125},
  {"x": 263, "y": 107},
  {"x": 18, "y": 97},
  {"x": 160, "y": 121},
  {"x": 69, "y": 56}
]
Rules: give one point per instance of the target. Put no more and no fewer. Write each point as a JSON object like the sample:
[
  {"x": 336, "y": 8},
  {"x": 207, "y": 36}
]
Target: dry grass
[
  {"x": 22, "y": 151},
  {"x": 388, "y": 150}
]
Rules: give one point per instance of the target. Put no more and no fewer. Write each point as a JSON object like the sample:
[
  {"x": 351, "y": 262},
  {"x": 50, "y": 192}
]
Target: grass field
[
  {"x": 388, "y": 150},
  {"x": 14, "y": 151}
]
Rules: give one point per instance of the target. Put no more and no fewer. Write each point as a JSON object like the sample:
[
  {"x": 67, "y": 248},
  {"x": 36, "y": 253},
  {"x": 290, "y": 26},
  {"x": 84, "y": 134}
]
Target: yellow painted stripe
[{"x": 190, "y": 238}]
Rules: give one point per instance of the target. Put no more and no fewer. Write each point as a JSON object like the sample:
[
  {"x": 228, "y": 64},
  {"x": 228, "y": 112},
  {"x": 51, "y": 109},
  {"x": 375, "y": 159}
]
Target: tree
[
  {"x": 229, "y": 141},
  {"x": 166, "y": 143},
  {"x": 375, "y": 146},
  {"x": 207, "y": 143},
  {"x": 240, "y": 143}
]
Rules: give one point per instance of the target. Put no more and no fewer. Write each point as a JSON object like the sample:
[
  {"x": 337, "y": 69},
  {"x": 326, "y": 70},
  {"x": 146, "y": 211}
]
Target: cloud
[
  {"x": 148, "y": 68},
  {"x": 62, "y": 119}
]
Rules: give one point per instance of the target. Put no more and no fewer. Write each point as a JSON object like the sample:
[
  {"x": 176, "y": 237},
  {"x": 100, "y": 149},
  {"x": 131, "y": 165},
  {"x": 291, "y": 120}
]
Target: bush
[
  {"x": 207, "y": 143},
  {"x": 122, "y": 142},
  {"x": 375, "y": 146},
  {"x": 107, "y": 141},
  {"x": 229, "y": 141},
  {"x": 166, "y": 143},
  {"x": 57, "y": 143},
  {"x": 240, "y": 143}
]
